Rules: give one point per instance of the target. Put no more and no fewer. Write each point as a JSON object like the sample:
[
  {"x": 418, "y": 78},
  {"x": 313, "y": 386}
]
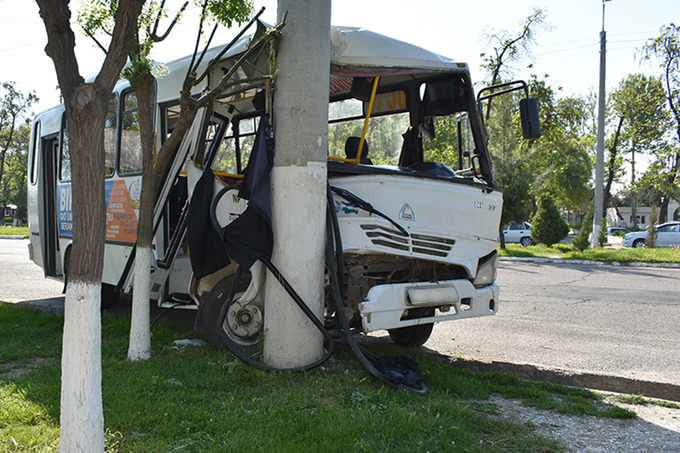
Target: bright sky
[{"x": 569, "y": 52}]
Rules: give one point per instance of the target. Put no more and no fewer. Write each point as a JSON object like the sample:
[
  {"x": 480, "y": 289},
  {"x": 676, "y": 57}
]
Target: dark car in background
[{"x": 617, "y": 231}]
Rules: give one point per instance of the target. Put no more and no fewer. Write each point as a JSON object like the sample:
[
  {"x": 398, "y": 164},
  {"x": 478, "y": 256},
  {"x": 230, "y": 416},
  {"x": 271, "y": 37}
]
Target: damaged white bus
[{"x": 419, "y": 236}]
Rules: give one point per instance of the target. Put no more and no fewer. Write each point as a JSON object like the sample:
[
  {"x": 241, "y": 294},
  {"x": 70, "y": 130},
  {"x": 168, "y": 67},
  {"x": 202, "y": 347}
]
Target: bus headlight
[{"x": 486, "y": 270}]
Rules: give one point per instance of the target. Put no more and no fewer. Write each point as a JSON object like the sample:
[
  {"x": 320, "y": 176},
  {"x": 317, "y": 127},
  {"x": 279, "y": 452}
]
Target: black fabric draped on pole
[
  {"x": 205, "y": 245},
  {"x": 250, "y": 237}
]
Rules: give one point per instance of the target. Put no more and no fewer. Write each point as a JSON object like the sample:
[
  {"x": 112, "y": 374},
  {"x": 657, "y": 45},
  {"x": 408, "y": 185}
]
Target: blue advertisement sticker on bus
[
  {"x": 121, "y": 218},
  {"x": 65, "y": 210}
]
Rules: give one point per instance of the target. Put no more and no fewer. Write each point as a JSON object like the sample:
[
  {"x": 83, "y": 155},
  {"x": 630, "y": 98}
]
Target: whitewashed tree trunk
[
  {"x": 140, "y": 334},
  {"x": 82, "y": 419}
]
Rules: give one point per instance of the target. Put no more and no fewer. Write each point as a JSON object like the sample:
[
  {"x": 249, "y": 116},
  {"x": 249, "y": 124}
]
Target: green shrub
[
  {"x": 582, "y": 241},
  {"x": 547, "y": 227},
  {"x": 602, "y": 234}
]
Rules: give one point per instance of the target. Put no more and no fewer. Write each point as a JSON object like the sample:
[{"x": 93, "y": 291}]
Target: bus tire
[
  {"x": 242, "y": 324},
  {"x": 110, "y": 296},
  {"x": 413, "y": 336}
]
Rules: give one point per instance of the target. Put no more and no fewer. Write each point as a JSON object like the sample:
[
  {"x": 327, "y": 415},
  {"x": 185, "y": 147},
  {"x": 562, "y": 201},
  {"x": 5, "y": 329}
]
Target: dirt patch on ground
[
  {"x": 655, "y": 429},
  {"x": 19, "y": 371}
]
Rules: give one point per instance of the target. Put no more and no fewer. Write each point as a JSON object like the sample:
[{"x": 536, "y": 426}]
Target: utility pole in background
[
  {"x": 599, "y": 161},
  {"x": 298, "y": 180}
]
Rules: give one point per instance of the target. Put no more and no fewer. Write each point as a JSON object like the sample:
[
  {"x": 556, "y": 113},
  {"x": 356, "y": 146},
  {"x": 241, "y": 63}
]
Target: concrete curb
[
  {"x": 11, "y": 236},
  {"x": 618, "y": 384},
  {"x": 588, "y": 262}
]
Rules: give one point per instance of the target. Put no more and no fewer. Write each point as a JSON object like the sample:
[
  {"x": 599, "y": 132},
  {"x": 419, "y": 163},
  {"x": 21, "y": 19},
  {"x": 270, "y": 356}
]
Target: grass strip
[
  {"x": 14, "y": 231},
  {"x": 609, "y": 255},
  {"x": 200, "y": 399}
]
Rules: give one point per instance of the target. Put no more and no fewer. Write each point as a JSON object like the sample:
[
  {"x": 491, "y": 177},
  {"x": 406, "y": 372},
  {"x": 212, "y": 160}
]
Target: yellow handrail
[
  {"x": 357, "y": 159},
  {"x": 228, "y": 175}
]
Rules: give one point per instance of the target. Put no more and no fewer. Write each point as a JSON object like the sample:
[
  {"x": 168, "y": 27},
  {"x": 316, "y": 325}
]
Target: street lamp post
[{"x": 599, "y": 161}]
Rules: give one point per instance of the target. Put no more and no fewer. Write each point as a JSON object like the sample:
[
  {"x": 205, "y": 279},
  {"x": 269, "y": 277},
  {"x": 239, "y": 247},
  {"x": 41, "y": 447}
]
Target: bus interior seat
[{"x": 352, "y": 147}]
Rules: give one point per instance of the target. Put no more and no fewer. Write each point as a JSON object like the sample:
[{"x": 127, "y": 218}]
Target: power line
[
  {"x": 567, "y": 49},
  {"x": 590, "y": 45},
  {"x": 9, "y": 49},
  {"x": 16, "y": 19}
]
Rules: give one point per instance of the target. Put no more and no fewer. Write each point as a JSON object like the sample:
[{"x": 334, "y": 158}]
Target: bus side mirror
[{"x": 531, "y": 126}]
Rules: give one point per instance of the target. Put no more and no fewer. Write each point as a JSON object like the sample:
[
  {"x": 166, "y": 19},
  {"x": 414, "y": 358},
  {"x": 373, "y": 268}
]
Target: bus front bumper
[{"x": 386, "y": 306}]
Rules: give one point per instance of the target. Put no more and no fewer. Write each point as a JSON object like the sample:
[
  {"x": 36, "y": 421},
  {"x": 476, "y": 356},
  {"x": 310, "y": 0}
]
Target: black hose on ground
[
  {"x": 397, "y": 372},
  {"x": 234, "y": 348},
  {"x": 402, "y": 376}
]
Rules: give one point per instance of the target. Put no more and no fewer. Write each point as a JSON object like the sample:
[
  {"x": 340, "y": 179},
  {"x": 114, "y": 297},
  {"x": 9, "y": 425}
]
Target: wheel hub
[{"x": 244, "y": 322}]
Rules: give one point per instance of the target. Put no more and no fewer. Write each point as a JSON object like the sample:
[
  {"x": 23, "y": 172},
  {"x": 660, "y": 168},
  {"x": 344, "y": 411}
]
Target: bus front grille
[{"x": 416, "y": 243}]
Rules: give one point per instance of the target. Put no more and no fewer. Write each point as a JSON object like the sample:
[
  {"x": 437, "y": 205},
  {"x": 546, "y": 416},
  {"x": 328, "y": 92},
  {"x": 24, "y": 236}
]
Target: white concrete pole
[
  {"x": 599, "y": 159},
  {"x": 299, "y": 182}
]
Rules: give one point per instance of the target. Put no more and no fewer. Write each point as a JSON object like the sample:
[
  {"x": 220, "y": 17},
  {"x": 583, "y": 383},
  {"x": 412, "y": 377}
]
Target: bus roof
[
  {"x": 356, "y": 47},
  {"x": 354, "y": 52}
]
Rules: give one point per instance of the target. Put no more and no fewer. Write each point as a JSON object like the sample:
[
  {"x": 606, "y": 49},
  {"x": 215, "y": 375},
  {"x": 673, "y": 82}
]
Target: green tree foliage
[
  {"x": 560, "y": 156},
  {"x": 645, "y": 193},
  {"x": 514, "y": 176},
  {"x": 665, "y": 49},
  {"x": 557, "y": 164},
  {"x": 97, "y": 18},
  {"x": 582, "y": 241},
  {"x": 443, "y": 146},
  {"x": 602, "y": 234},
  {"x": 509, "y": 47},
  {"x": 14, "y": 137},
  {"x": 639, "y": 118},
  {"x": 547, "y": 227},
  {"x": 513, "y": 169},
  {"x": 13, "y": 186},
  {"x": 657, "y": 184}
]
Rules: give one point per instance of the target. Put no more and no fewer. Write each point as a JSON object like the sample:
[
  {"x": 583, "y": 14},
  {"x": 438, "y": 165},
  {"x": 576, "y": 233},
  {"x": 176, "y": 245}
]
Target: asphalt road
[
  {"x": 612, "y": 320},
  {"x": 21, "y": 279},
  {"x": 602, "y": 319}
]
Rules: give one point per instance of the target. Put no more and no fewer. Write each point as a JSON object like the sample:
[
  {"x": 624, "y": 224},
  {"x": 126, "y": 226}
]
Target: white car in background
[
  {"x": 519, "y": 233},
  {"x": 667, "y": 235}
]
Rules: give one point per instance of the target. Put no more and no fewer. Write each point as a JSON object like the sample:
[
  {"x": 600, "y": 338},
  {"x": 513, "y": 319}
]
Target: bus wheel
[
  {"x": 242, "y": 323},
  {"x": 110, "y": 296},
  {"x": 413, "y": 336}
]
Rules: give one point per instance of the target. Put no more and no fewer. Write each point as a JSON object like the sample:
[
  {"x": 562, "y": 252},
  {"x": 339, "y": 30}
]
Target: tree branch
[
  {"x": 61, "y": 43},
  {"x": 154, "y": 37},
  {"x": 93, "y": 38},
  {"x": 215, "y": 60},
  {"x": 123, "y": 39}
]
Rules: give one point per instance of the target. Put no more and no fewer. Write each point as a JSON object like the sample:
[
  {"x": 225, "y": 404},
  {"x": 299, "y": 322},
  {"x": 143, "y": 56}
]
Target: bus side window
[
  {"x": 234, "y": 151},
  {"x": 65, "y": 156},
  {"x": 34, "y": 153},
  {"x": 225, "y": 158},
  {"x": 130, "y": 158},
  {"x": 110, "y": 127}
]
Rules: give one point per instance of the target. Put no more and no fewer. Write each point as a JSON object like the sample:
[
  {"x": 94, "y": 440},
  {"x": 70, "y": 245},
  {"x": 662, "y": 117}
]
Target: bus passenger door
[{"x": 49, "y": 239}]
